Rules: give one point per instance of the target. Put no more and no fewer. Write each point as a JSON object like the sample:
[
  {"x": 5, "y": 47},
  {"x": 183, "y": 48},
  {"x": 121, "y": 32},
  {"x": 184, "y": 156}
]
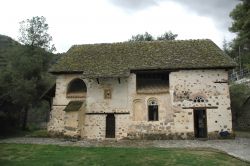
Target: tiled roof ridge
[{"x": 154, "y": 41}]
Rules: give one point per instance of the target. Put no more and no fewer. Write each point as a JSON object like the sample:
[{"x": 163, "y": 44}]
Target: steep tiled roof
[{"x": 117, "y": 59}]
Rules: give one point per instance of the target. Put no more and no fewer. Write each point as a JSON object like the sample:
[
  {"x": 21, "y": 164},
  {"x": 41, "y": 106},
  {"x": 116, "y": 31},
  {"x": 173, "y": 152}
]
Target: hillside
[{"x": 6, "y": 43}]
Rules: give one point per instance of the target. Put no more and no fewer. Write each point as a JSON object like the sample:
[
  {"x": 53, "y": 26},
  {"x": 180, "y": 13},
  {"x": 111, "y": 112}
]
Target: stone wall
[
  {"x": 139, "y": 126},
  {"x": 96, "y": 103},
  {"x": 90, "y": 121},
  {"x": 176, "y": 119},
  {"x": 212, "y": 85},
  {"x": 98, "y": 107},
  {"x": 175, "y": 107},
  {"x": 61, "y": 122},
  {"x": 95, "y": 126}
]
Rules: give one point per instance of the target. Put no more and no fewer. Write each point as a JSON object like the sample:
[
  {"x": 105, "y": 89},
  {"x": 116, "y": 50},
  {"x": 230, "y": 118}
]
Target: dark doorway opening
[
  {"x": 110, "y": 126},
  {"x": 200, "y": 123}
]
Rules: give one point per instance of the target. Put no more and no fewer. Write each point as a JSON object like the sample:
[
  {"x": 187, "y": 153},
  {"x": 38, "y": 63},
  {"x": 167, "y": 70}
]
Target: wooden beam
[
  {"x": 104, "y": 113},
  {"x": 210, "y": 107}
]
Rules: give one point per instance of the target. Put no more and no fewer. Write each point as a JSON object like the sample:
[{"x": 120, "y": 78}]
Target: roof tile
[{"x": 117, "y": 59}]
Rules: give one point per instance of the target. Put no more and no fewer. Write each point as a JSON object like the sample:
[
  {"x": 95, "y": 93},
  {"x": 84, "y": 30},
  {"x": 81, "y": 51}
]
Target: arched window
[
  {"x": 76, "y": 88},
  {"x": 152, "y": 110},
  {"x": 199, "y": 99}
]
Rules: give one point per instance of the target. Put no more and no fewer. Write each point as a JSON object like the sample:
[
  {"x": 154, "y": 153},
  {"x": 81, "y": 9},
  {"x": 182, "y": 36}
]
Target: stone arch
[
  {"x": 199, "y": 99},
  {"x": 152, "y": 101},
  {"x": 77, "y": 88}
]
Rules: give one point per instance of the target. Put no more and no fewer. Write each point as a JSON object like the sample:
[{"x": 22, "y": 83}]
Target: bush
[
  {"x": 240, "y": 106},
  {"x": 38, "y": 133}
]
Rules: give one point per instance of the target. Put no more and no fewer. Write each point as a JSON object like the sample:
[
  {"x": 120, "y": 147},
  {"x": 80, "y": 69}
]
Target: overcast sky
[{"x": 101, "y": 21}]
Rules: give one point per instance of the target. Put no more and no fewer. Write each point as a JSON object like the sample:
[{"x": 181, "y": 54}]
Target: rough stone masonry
[{"x": 145, "y": 90}]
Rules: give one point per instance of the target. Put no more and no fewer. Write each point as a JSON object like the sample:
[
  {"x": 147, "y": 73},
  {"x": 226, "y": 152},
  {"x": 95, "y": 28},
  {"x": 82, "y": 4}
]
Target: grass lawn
[{"x": 25, "y": 155}]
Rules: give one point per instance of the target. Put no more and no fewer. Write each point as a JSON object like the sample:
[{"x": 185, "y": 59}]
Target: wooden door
[{"x": 110, "y": 126}]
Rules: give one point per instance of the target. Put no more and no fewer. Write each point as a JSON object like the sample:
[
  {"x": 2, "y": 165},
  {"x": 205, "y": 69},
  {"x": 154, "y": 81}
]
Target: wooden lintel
[
  {"x": 212, "y": 107},
  {"x": 221, "y": 82},
  {"x": 104, "y": 113}
]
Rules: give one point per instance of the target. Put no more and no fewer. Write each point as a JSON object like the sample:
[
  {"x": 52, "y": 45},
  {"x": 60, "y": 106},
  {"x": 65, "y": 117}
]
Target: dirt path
[{"x": 239, "y": 147}]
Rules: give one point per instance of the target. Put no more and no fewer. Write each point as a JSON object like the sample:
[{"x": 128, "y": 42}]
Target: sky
[{"x": 105, "y": 21}]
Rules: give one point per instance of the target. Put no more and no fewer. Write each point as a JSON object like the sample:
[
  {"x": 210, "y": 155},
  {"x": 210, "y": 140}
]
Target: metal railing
[{"x": 239, "y": 74}]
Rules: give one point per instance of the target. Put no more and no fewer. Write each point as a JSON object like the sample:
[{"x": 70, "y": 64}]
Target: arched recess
[
  {"x": 139, "y": 113},
  {"x": 77, "y": 88},
  {"x": 153, "y": 109}
]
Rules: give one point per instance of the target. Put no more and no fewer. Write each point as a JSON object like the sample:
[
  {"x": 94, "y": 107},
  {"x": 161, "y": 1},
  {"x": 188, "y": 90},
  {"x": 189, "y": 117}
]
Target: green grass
[{"x": 21, "y": 154}]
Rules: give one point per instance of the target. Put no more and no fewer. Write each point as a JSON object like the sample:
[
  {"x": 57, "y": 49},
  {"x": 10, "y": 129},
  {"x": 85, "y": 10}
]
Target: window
[
  {"x": 152, "y": 82},
  {"x": 199, "y": 99},
  {"x": 152, "y": 110},
  {"x": 76, "y": 88},
  {"x": 107, "y": 93}
]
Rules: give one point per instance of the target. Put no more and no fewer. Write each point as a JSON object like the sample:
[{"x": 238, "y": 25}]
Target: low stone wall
[
  {"x": 160, "y": 136},
  {"x": 243, "y": 122}
]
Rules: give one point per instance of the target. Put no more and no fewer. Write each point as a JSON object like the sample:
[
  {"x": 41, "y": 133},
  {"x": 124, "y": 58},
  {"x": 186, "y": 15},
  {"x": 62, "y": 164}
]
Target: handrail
[{"x": 237, "y": 75}]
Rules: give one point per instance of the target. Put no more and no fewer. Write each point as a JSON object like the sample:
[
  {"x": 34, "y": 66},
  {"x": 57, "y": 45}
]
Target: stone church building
[{"x": 142, "y": 90}]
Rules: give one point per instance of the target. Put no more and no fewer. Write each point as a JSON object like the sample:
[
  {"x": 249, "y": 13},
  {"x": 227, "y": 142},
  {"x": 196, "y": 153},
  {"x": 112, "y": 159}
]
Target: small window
[
  {"x": 152, "y": 110},
  {"x": 199, "y": 99},
  {"x": 107, "y": 93}
]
